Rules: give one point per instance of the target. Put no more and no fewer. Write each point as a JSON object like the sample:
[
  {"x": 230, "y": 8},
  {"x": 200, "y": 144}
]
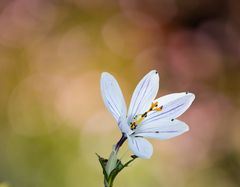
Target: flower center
[{"x": 140, "y": 117}]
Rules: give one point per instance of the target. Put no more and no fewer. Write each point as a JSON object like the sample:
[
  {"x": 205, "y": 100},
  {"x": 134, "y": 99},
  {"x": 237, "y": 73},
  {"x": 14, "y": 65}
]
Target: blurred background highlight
[{"x": 52, "y": 118}]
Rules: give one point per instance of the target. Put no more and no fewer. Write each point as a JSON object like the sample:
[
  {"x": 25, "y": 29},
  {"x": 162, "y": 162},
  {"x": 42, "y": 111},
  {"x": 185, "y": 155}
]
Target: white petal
[
  {"x": 162, "y": 129},
  {"x": 144, "y": 94},
  {"x": 174, "y": 105},
  {"x": 112, "y": 96},
  {"x": 140, "y": 147},
  {"x": 171, "y": 97},
  {"x": 123, "y": 125}
]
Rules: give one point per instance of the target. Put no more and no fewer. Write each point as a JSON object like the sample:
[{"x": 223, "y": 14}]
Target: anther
[
  {"x": 144, "y": 115},
  {"x": 154, "y": 104},
  {"x": 139, "y": 118},
  {"x": 158, "y": 109},
  {"x": 134, "y": 156}
]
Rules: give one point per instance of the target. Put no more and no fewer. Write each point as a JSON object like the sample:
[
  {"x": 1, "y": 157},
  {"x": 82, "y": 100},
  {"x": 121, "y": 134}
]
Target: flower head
[{"x": 146, "y": 117}]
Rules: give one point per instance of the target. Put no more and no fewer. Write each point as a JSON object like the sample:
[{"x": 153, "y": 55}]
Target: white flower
[{"x": 146, "y": 117}]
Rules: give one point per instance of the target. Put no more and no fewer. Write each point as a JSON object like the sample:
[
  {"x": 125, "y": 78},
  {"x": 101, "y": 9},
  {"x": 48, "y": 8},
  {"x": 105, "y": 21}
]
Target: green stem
[
  {"x": 112, "y": 161},
  {"x": 106, "y": 183},
  {"x": 112, "y": 164},
  {"x": 109, "y": 181}
]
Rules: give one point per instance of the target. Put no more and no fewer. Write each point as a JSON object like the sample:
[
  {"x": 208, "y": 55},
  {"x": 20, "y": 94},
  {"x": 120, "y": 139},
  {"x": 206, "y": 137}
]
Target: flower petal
[
  {"x": 112, "y": 96},
  {"x": 162, "y": 129},
  {"x": 140, "y": 147},
  {"x": 174, "y": 105},
  {"x": 144, "y": 94},
  {"x": 123, "y": 125}
]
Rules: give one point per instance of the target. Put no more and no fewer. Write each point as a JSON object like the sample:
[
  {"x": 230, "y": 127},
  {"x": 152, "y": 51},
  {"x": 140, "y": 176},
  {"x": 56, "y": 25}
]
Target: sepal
[
  {"x": 109, "y": 179},
  {"x": 103, "y": 163}
]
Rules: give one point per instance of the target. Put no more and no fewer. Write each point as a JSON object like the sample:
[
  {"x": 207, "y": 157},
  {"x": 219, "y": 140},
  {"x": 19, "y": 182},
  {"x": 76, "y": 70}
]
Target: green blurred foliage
[
  {"x": 52, "y": 119},
  {"x": 4, "y": 185}
]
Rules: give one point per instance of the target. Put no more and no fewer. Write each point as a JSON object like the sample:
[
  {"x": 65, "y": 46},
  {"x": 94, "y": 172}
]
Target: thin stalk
[
  {"x": 120, "y": 142},
  {"x": 106, "y": 183},
  {"x": 112, "y": 161}
]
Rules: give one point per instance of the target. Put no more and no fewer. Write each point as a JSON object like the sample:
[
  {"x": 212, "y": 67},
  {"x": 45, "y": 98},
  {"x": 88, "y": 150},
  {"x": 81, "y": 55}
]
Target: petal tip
[
  {"x": 190, "y": 95},
  {"x": 140, "y": 147},
  {"x": 187, "y": 128},
  {"x": 183, "y": 126},
  {"x": 146, "y": 157},
  {"x": 104, "y": 74},
  {"x": 155, "y": 72}
]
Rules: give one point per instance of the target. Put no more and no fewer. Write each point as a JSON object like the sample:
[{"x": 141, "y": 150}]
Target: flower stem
[
  {"x": 106, "y": 183},
  {"x": 112, "y": 162},
  {"x": 120, "y": 142}
]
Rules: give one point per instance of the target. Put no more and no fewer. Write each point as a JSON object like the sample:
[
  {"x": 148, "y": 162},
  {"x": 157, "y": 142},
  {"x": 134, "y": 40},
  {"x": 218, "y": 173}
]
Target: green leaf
[
  {"x": 108, "y": 179},
  {"x": 117, "y": 170},
  {"x": 103, "y": 163}
]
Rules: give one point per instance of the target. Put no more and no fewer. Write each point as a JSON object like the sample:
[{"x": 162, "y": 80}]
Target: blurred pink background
[{"x": 52, "y": 118}]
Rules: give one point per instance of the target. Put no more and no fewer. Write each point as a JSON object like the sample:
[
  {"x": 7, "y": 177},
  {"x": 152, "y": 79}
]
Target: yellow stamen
[
  {"x": 139, "y": 118},
  {"x": 158, "y": 109}
]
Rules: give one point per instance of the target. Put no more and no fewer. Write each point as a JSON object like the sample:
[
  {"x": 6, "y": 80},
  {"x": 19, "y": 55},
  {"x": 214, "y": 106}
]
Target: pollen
[{"x": 140, "y": 117}]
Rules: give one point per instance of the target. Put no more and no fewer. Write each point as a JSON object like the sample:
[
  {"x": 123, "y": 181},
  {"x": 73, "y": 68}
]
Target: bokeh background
[{"x": 52, "y": 118}]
